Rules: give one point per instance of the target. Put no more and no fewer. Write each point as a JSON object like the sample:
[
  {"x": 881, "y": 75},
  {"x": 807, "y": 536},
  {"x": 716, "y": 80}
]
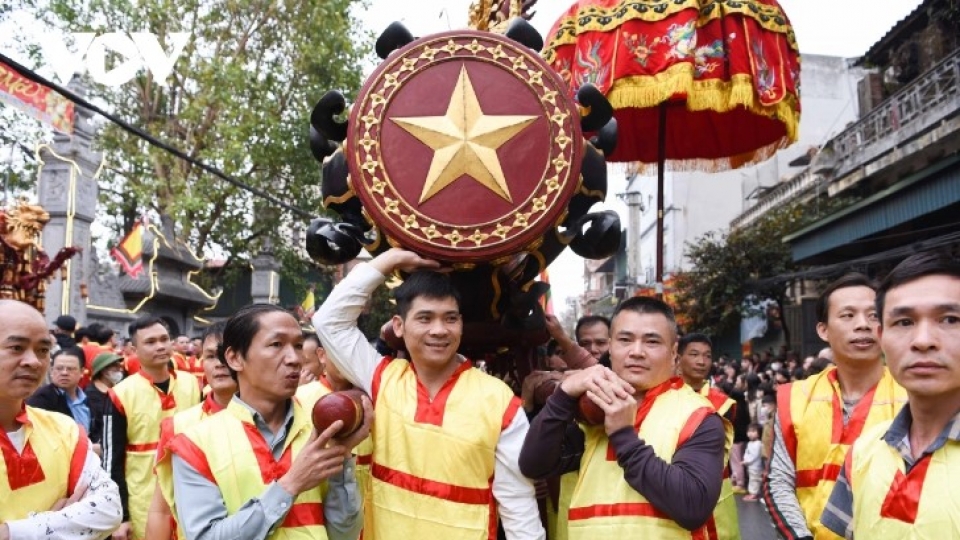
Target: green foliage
[
  {"x": 728, "y": 267},
  {"x": 19, "y": 172},
  {"x": 19, "y": 132},
  {"x": 238, "y": 98}
]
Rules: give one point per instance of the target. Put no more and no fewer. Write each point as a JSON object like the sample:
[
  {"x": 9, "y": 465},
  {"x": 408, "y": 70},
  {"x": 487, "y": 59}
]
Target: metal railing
[
  {"x": 778, "y": 196},
  {"x": 907, "y": 113}
]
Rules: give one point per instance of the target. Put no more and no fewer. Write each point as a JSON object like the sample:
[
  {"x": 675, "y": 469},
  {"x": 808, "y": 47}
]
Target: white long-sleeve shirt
[
  {"x": 347, "y": 347},
  {"x": 751, "y": 457},
  {"x": 95, "y": 516}
]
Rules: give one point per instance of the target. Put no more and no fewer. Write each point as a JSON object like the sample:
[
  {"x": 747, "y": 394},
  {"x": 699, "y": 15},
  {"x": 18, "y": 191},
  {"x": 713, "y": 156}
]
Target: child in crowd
[{"x": 752, "y": 459}]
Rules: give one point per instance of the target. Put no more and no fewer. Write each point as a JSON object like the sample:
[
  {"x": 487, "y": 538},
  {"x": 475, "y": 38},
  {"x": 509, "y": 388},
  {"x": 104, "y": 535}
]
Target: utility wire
[{"x": 33, "y": 76}]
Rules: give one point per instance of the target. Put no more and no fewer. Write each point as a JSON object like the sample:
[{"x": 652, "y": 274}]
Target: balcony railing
[
  {"x": 787, "y": 191},
  {"x": 912, "y": 110}
]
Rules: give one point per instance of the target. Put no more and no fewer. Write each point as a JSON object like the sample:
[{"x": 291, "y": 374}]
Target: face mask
[{"x": 114, "y": 376}]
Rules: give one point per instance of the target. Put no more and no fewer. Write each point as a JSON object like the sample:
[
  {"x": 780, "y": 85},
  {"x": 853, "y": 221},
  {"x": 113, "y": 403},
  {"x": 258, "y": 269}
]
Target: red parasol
[{"x": 695, "y": 84}]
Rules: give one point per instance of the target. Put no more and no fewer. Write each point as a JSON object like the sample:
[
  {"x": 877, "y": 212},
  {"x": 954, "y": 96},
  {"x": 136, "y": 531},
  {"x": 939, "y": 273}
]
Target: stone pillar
[
  {"x": 68, "y": 191},
  {"x": 634, "y": 202},
  {"x": 265, "y": 281}
]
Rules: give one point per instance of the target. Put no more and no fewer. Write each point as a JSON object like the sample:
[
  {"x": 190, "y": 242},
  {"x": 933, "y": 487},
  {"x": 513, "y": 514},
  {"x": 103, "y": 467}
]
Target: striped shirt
[{"x": 780, "y": 489}]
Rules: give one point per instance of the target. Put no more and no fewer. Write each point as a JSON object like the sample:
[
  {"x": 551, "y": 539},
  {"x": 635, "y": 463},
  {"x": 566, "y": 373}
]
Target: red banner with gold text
[{"x": 35, "y": 99}]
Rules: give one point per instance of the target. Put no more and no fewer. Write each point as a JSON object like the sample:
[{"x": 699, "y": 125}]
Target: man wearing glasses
[{"x": 63, "y": 394}]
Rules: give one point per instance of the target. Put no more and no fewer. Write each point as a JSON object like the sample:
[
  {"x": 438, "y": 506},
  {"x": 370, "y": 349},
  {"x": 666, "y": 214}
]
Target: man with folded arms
[{"x": 654, "y": 468}]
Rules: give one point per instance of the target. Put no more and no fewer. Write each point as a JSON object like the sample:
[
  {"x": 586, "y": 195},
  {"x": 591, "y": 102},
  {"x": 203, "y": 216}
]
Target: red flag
[
  {"x": 129, "y": 252},
  {"x": 36, "y": 100}
]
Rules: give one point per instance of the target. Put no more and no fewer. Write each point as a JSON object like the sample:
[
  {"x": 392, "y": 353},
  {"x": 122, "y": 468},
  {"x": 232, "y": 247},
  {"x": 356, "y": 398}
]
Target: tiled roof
[{"x": 903, "y": 29}]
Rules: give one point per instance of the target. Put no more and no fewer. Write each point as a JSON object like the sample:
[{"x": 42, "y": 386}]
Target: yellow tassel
[{"x": 743, "y": 94}]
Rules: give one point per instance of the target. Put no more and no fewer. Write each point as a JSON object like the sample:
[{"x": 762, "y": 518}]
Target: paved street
[{"x": 755, "y": 523}]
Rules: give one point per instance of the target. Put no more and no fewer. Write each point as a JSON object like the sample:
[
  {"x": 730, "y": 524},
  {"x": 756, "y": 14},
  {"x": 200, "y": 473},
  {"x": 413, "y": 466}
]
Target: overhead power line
[{"x": 79, "y": 100}]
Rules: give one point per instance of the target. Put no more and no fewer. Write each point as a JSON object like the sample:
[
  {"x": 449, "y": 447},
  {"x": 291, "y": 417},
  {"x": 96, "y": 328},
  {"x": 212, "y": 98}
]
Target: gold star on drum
[{"x": 466, "y": 147}]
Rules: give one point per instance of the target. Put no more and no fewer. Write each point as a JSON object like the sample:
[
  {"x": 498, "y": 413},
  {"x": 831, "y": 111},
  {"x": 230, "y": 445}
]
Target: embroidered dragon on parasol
[
  {"x": 24, "y": 266},
  {"x": 466, "y": 147},
  {"x": 704, "y": 85}
]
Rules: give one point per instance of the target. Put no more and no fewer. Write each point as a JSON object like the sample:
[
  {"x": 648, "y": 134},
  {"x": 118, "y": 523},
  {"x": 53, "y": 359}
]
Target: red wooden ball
[
  {"x": 346, "y": 406},
  {"x": 589, "y": 412}
]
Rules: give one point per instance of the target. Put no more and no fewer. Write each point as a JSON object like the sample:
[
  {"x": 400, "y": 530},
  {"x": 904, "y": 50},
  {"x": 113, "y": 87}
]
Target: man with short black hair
[
  {"x": 899, "y": 479},
  {"x": 653, "y": 469},
  {"x": 447, "y": 435},
  {"x": 593, "y": 334},
  {"x": 818, "y": 418},
  {"x": 97, "y": 339},
  {"x": 222, "y": 388},
  {"x": 63, "y": 329},
  {"x": 694, "y": 365},
  {"x": 182, "y": 353},
  {"x": 314, "y": 383},
  {"x": 63, "y": 394},
  {"x": 591, "y": 340},
  {"x": 131, "y": 423}
]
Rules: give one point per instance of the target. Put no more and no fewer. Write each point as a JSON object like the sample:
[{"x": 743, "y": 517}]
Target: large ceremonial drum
[{"x": 464, "y": 147}]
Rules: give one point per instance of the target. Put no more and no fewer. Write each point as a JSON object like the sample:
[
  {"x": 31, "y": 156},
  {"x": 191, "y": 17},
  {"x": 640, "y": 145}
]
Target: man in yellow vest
[
  {"x": 131, "y": 423},
  {"x": 314, "y": 383},
  {"x": 326, "y": 378},
  {"x": 653, "y": 469},
  {"x": 258, "y": 469},
  {"x": 694, "y": 364},
  {"x": 160, "y": 522},
  {"x": 899, "y": 479},
  {"x": 592, "y": 334},
  {"x": 818, "y": 418},
  {"x": 50, "y": 479},
  {"x": 447, "y": 435}
]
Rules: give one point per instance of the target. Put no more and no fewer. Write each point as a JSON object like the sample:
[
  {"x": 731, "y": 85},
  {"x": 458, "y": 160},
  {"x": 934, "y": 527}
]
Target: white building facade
[{"x": 696, "y": 203}]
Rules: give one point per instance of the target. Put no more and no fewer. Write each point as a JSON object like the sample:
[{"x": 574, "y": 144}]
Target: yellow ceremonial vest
[
  {"x": 811, "y": 420},
  {"x": 169, "y": 427},
  {"x": 433, "y": 460},
  {"x": 54, "y": 452},
  {"x": 568, "y": 482},
  {"x": 229, "y": 451},
  {"x": 603, "y": 505},
  {"x": 725, "y": 517},
  {"x": 308, "y": 395},
  {"x": 889, "y": 503},
  {"x": 145, "y": 406}
]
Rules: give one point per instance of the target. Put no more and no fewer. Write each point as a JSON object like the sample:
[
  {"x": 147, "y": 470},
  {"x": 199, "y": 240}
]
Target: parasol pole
[{"x": 661, "y": 163}]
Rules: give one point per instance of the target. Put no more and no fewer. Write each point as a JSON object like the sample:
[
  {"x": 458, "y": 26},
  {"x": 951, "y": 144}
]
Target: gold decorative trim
[
  {"x": 534, "y": 246},
  {"x": 408, "y": 219},
  {"x": 600, "y": 19},
  {"x": 349, "y": 194},
  {"x": 714, "y": 95}
]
